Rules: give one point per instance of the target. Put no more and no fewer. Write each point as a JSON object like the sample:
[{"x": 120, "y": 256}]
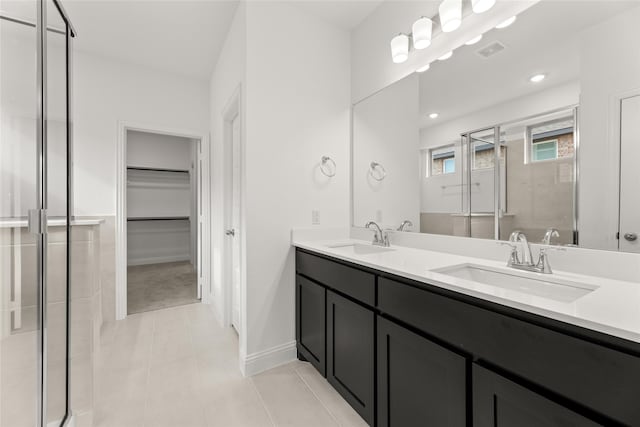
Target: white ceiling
[
  {"x": 544, "y": 39},
  {"x": 179, "y": 36},
  {"x": 345, "y": 14}
]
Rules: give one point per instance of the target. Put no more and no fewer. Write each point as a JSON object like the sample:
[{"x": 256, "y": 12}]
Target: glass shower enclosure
[{"x": 35, "y": 207}]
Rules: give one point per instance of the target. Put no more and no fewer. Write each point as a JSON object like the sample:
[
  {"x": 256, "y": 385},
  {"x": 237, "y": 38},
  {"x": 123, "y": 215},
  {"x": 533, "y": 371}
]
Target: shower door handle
[{"x": 15, "y": 312}]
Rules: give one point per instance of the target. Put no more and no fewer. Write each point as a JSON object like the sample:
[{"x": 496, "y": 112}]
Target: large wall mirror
[{"x": 534, "y": 127}]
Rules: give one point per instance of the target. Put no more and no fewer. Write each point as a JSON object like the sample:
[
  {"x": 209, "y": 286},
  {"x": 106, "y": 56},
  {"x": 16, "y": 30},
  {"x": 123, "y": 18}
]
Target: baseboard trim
[
  {"x": 267, "y": 359},
  {"x": 159, "y": 259}
]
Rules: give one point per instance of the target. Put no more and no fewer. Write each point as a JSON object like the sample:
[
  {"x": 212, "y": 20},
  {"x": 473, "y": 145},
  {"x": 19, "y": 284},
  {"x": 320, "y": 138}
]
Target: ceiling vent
[{"x": 490, "y": 50}]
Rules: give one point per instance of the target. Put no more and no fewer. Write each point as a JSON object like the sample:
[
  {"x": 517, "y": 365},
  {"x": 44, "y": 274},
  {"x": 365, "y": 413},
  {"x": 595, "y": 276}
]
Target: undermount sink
[
  {"x": 545, "y": 286},
  {"x": 359, "y": 249}
]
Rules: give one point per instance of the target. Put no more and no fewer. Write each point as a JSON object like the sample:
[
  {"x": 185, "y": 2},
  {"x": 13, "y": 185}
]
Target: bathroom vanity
[{"x": 406, "y": 345}]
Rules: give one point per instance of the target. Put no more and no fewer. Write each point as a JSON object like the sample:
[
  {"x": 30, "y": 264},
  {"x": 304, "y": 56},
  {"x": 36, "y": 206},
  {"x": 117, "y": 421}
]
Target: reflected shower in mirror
[{"x": 531, "y": 129}]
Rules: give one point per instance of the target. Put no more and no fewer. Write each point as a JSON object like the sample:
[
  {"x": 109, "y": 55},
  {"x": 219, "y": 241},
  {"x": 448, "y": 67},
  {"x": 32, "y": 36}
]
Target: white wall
[
  {"x": 18, "y": 110},
  {"x": 107, "y": 92},
  {"x": 385, "y": 130},
  {"x": 610, "y": 64},
  {"x": 227, "y": 78},
  {"x": 372, "y": 68},
  {"x": 297, "y": 110},
  {"x": 159, "y": 194},
  {"x": 154, "y": 150}
]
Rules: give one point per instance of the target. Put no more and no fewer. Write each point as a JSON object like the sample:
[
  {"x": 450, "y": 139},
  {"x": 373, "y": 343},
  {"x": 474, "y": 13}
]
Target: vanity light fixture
[
  {"x": 421, "y": 33},
  {"x": 400, "y": 48},
  {"x": 450, "y": 12},
  {"x": 446, "y": 56},
  {"x": 474, "y": 40},
  {"x": 480, "y": 6},
  {"x": 423, "y": 68},
  {"x": 506, "y": 23},
  {"x": 537, "y": 78},
  {"x": 433, "y": 115}
]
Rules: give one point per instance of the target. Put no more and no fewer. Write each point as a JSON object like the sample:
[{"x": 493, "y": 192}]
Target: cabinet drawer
[
  {"x": 344, "y": 279},
  {"x": 595, "y": 377}
]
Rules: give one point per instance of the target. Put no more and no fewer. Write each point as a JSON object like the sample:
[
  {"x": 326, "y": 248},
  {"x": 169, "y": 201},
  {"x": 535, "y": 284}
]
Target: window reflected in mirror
[{"x": 507, "y": 151}]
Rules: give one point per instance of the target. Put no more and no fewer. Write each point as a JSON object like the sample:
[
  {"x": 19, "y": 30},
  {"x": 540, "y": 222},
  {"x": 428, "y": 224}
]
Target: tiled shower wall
[{"x": 18, "y": 351}]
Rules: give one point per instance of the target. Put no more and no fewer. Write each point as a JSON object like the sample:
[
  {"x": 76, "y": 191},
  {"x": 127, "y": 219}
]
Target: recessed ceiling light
[
  {"x": 505, "y": 24},
  {"x": 537, "y": 78},
  {"x": 423, "y": 68},
  {"x": 433, "y": 115},
  {"x": 446, "y": 56},
  {"x": 474, "y": 40}
]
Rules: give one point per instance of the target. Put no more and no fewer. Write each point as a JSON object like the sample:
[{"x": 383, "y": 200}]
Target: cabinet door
[
  {"x": 311, "y": 322},
  {"x": 350, "y": 353},
  {"x": 419, "y": 382},
  {"x": 498, "y": 401}
]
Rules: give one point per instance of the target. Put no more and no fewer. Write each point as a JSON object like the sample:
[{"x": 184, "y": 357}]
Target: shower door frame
[
  {"x": 498, "y": 208},
  {"x": 37, "y": 218}
]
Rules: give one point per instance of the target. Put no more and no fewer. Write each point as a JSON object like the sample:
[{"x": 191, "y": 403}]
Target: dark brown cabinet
[
  {"x": 400, "y": 351},
  {"x": 350, "y": 352},
  {"x": 419, "y": 383},
  {"x": 311, "y": 322},
  {"x": 498, "y": 402}
]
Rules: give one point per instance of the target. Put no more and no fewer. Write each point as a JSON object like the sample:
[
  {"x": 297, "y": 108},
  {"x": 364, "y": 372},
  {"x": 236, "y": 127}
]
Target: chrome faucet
[
  {"x": 381, "y": 237},
  {"x": 518, "y": 236},
  {"x": 542, "y": 266},
  {"x": 406, "y": 223},
  {"x": 551, "y": 233}
]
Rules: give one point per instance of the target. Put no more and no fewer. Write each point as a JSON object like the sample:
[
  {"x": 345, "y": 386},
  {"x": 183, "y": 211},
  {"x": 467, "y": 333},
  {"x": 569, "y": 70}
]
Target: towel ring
[
  {"x": 377, "y": 171},
  {"x": 328, "y": 166}
]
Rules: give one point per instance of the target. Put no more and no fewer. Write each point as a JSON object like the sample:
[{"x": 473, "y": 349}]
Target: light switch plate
[{"x": 315, "y": 217}]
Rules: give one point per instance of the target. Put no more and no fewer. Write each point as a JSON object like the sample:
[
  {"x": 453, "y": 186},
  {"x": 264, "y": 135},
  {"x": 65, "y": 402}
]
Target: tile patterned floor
[{"x": 176, "y": 367}]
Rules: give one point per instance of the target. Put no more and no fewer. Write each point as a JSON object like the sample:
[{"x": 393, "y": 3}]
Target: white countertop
[
  {"x": 21, "y": 223},
  {"x": 613, "y": 308}
]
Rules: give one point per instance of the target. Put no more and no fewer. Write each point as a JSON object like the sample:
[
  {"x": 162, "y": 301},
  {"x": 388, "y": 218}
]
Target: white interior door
[
  {"x": 629, "y": 240},
  {"x": 235, "y": 225}
]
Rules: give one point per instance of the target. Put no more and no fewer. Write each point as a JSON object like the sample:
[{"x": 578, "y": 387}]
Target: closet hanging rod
[
  {"x": 159, "y": 218},
  {"x": 143, "y": 168}
]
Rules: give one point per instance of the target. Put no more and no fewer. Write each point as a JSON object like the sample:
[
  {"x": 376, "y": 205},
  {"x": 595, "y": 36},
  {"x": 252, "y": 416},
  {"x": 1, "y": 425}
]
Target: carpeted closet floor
[{"x": 157, "y": 286}]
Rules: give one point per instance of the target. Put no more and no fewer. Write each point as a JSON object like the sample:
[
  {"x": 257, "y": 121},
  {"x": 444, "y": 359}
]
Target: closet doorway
[{"x": 161, "y": 221}]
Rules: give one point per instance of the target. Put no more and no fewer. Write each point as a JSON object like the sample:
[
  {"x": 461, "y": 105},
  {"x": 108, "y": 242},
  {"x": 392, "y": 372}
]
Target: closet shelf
[
  {"x": 143, "y": 168},
  {"x": 159, "y": 218}
]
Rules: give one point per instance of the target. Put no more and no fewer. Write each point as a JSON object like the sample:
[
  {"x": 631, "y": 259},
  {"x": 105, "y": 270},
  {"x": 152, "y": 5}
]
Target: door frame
[
  {"x": 231, "y": 111},
  {"x": 121, "y": 210},
  {"x": 615, "y": 110}
]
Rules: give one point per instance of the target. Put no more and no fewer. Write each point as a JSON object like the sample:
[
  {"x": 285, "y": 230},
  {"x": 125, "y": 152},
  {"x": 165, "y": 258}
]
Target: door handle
[
  {"x": 630, "y": 237},
  {"x": 230, "y": 232}
]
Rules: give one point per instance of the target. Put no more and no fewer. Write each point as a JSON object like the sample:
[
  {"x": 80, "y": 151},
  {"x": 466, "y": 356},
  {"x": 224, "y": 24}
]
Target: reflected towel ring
[
  {"x": 377, "y": 171},
  {"x": 328, "y": 166}
]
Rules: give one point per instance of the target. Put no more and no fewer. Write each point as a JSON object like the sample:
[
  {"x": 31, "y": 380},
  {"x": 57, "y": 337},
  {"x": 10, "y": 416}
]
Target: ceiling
[
  {"x": 544, "y": 39},
  {"x": 179, "y": 36},
  {"x": 184, "y": 37},
  {"x": 345, "y": 14}
]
